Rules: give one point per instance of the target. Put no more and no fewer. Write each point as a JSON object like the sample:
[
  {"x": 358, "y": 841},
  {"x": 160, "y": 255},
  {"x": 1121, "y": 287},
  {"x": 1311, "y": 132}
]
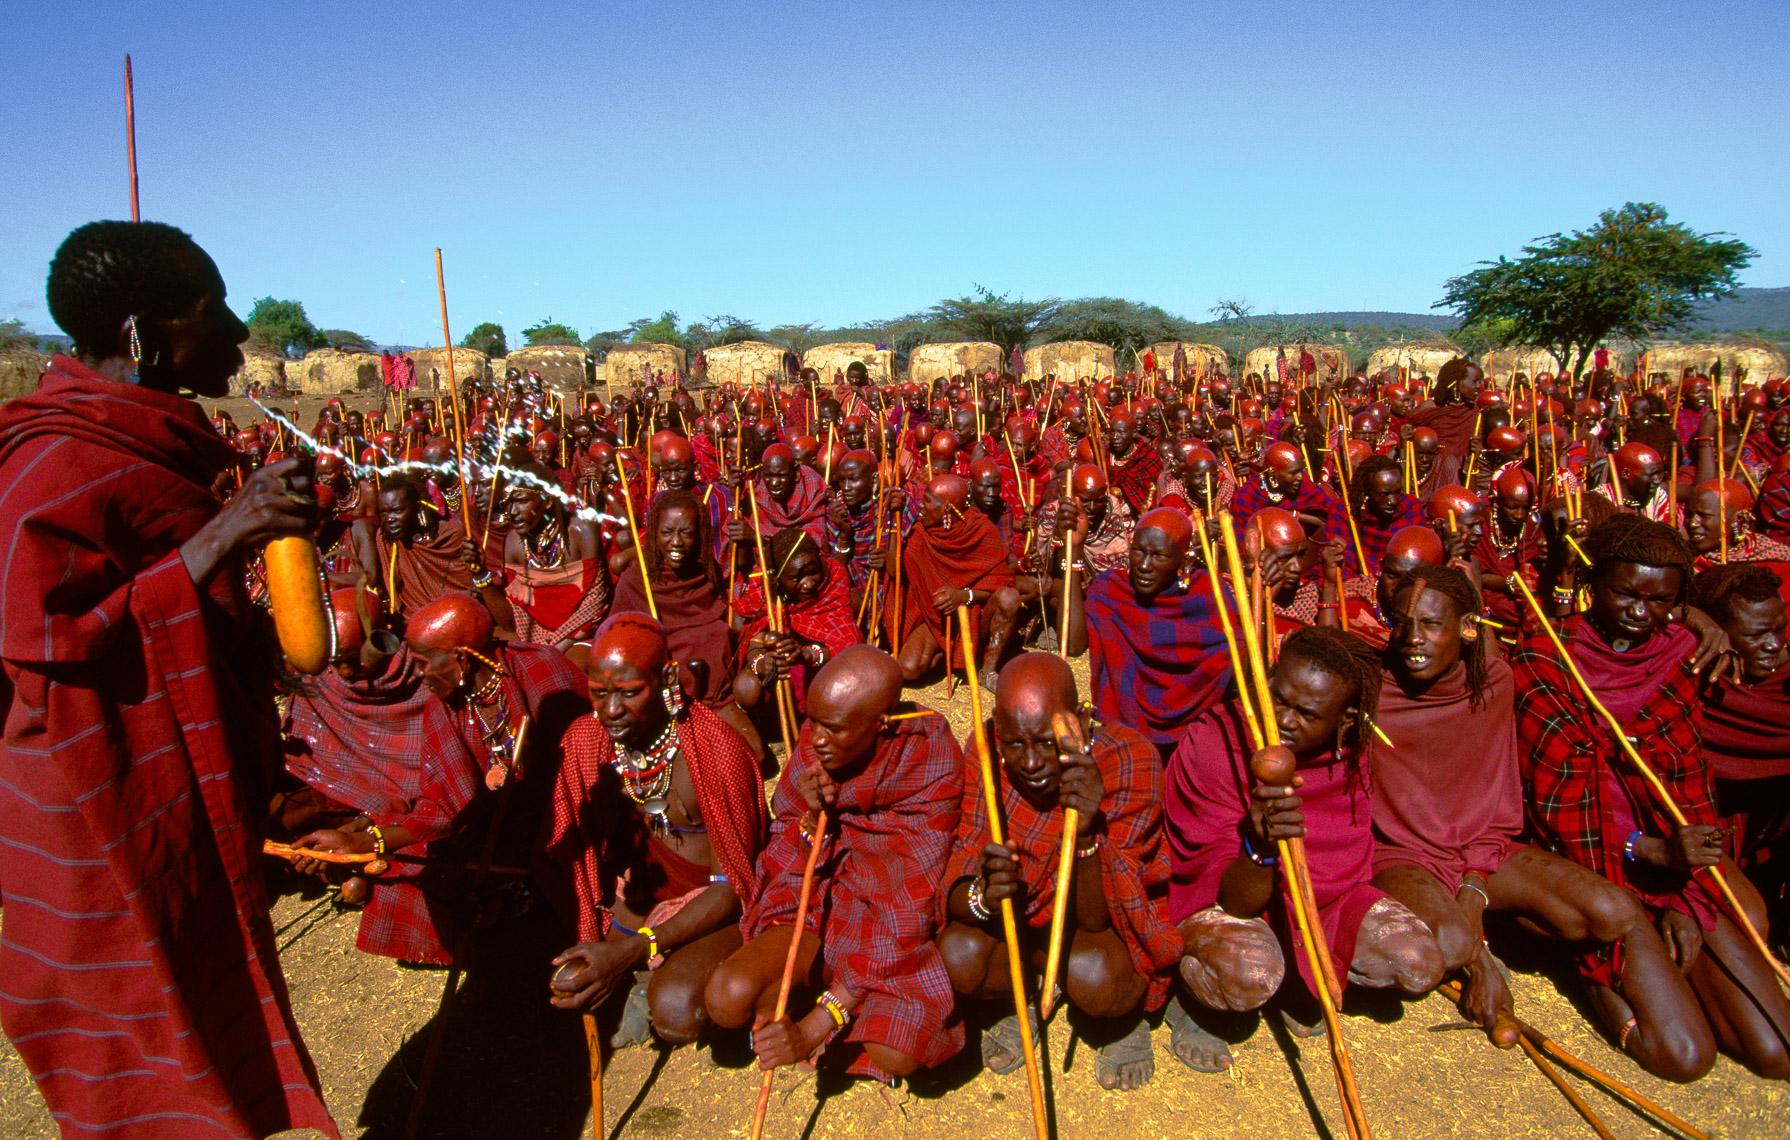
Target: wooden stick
[
  {"x": 1063, "y": 618},
  {"x": 130, "y": 132},
  {"x": 593, "y": 1044},
  {"x": 1653, "y": 781},
  {"x": 1571, "y": 1094},
  {"x": 786, "y": 719},
  {"x": 288, "y": 852},
  {"x": 789, "y": 962},
  {"x": 1015, "y": 973},
  {"x": 1070, "y": 738},
  {"x": 646, "y": 582}
]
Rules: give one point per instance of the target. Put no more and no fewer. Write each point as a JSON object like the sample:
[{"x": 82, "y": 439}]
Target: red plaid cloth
[
  {"x": 1133, "y": 863},
  {"x": 1135, "y": 478},
  {"x": 1773, "y": 507},
  {"x": 1156, "y": 667},
  {"x": 1312, "y": 498},
  {"x": 139, "y": 979},
  {"x": 1056, "y": 444},
  {"x": 412, "y": 915},
  {"x": 807, "y": 506},
  {"x": 875, "y": 889},
  {"x": 828, "y": 619},
  {"x": 361, "y": 742},
  {"x": 589, "y": 805},
  {"x": 1108, "y": 548},
  {"x": 1501, "y": 605},
  {"x": 969, "y": 555},
  {"x": 1375, "y": 535},
  {"x": 861, "y": 525},
  {"x": 562, "y": 603},
  {"x": 1569, "y": 758}
]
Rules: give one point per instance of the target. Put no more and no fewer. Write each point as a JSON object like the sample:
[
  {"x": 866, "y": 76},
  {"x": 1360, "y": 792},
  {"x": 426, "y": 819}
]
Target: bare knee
[
  {"x": 1454, "y": 941},
  {"x": 1396, "y": 948},
  {"x": 1102, "y": 980},
  {"x": 731, "y": 996},
  {"x": 1231, "y": 963},
  {"x": 966, "y": 951},
  {"x": 1611, "y": 912},
  {"x": 1674, "y": 1051},
  {"x": 1004, "y": 601},
  {"x": 891, "y": 1061},
  {"x": 679, "y": 1013}
]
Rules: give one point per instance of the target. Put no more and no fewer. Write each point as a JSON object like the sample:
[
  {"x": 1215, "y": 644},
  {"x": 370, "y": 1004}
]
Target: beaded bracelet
[
  {"x": 835, "y": 1007},
  {"x": 378, "y": 837},
  {"x": 1628, "y": 849},
  {"x": 974, "y": 901},
  {"x": 1258, "y": 860}
]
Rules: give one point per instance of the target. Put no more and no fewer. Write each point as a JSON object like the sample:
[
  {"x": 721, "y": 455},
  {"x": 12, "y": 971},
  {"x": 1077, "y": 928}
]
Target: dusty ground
[{"x": 513, "y": 1067}]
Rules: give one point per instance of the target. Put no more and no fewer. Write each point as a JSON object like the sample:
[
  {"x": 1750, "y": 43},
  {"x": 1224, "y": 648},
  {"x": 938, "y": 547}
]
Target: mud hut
[
  {"x": 627, "y": 363},
  {"x": 561, "y": 366},
  {"x": 1531, "y": 360},
  {"x": 1418, "y": 358},
  {"x": 827, "y": 359},
  {"x": 263, "y": 369},
  {"x": 1332, "y": 361},
  {"x": 19, "y": 372},
  {"x": 469, "y": 364},
  {"x": 1202, "y": 359},
  {"x": 930, "y": 362},
  {"x": 748, "y": 362},
  {"x": 331, "y": 372},
  {"x": 1761, "y": 362},
  {"x": 1070, "y": 360}
]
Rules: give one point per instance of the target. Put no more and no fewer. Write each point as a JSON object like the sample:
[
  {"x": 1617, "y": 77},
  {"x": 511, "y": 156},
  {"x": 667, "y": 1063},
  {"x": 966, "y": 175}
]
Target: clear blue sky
[{"x": 834, "y": 162}]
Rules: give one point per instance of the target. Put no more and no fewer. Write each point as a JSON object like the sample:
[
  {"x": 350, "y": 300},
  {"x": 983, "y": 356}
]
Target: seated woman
[
  {"x": 692, "y": 603},
  {"x": 815, "y": 617},
  {"x": 556, "y": 576}
]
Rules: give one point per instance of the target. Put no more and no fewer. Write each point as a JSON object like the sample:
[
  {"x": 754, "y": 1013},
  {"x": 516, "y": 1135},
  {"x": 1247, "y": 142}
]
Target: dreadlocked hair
[
  {"x": 1452, "y": 583},
  {"x": 1718, "y": 590},
  {"x": 1365, "y": 470},
  {"x": 705, "y": 543},
  {"x": 1632, "y": 538},
  {"x": 1448, "y": 380},
  {"x": 783, "y": 547},
  {"x": 1349, "y": 658},
  {"x": 107, "y": 272}
]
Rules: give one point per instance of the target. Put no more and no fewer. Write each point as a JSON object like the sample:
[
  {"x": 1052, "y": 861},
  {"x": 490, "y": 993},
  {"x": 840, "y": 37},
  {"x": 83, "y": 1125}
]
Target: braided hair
[
  {"x": 1719, "y": 589},
  {"x": 1345, "y": 656},
  {"x": 705, "y": 543},
  {"x": 782, "y": 548},
  {"x": 1639, "y": 540},
  {"x": 1452, "y": 583},
  {"x": 1365, "y": 470}
]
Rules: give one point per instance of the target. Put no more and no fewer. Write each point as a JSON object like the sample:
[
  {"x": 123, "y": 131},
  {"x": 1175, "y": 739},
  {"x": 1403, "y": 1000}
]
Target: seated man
[
  {"x": 658, "y": 820},
  {"x": 1377, "y": 498},
  {"x": 814, "y": 610},
  {"x": 1725, "y": 505},
  {"x": 1228, "y": 889},
  {"x": 1641, "y": 474},
  {"x": 1283, "y": 483},
  {"x": 954, "y": 557},
  {"x": 1159, "y": 653},
  {"x": 1132, "y": 464},
  {"x": 892, "y": 791},
  {"x": 1104, "y": 542},
  {"x": 788, "y": 494},
  {"x": 856, "y": 538},
  {"x": 1746, "y": 728},
  {"x": 1118, "y": 944},
  {"x": 1678, "y": 987},
  {"x": 409, "y": 551},
  {"x": 1448, "y": 797}
]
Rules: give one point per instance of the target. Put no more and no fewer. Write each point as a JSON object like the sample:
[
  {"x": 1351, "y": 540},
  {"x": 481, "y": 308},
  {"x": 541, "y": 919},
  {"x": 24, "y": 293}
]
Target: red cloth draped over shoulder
[
  {"x": 1448, "y": 793},
  {"x": 139, "y": 979},
  {"x": 828, "y": 618},
  {"x": 427, "y": 567},
  {"x": 1746, "y": 728},
  {"x": 1584, "y": 797},
  {"x": 1134, "y": 477},
  {"x": 1454, "y": 426},
  {"x": 1208, "y": 796},
  {"x": 806, "y": 508},
  {"x": 559, "y": 603},
  {"x": 586, "y": 792},
  {"x": 360, "y": 742},
  {"x": 875, "y": 888},
  {"x": 967, "y": 555},
  {"x": 1501, "y": 604},
  {"x": 1156, "y": 666},
  {"x": 694, "y": 616},
  {"x": 1773, "y": 507},
  {"x": 1133, "y": 862}
]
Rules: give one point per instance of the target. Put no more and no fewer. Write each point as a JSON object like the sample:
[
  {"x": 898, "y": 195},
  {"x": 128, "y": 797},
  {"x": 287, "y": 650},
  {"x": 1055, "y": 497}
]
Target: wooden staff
[
  {"x": 1549, "y": 1048},
  {"x": 130, "y": 133},
  {"x": 786, "y": 716},
  {"x": 593, "y": 1045},
  {"x": 1653, "y": 781},
  {"x": 447, "y": 340},
  {"x": 1070, "y": 738},
  {"x": 1063, "y": 618},
  {"x": 1298, "y": 876},
  {"x": 1746, "y": 430},
  {"x": 370, "y": 863},
  {"x": 789, "y": 962},
  {"x": 1015, "y": 973},
  {"x": 639, "y": 539},
  {"x": 1349, "y": 508}
]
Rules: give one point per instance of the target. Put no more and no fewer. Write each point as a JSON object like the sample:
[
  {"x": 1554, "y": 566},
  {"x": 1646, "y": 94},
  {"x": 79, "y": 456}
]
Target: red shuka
[{"x": 967, "y": 555}]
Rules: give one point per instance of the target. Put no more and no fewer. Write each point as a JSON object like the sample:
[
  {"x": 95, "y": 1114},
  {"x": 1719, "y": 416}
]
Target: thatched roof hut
[
  {"x": 1503, "y": 363},
  {"x": 1070, "y": 360},
  {"x": 748, "y": 362},
  {"x": 1762, "y": 363},
  {"x": 627, "y": 363},
  {"x": 19, "y": 372},
  {"x": 560, "y": 365},
  {"x": 1202, "y": 359},
  {"x": 1332, "y": 361},
  {"x": 827, "y": 359},
  {"x": 1420, "y": 358},
  {"x": 266, "y": 369},
  {"x": 930, "y": 362},
  {"x": 331, "y": 372},
  {"x": 469, "y": 364}
]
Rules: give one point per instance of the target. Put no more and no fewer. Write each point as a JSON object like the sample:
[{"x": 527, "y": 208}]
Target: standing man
[{"x": 138, "y": 975}]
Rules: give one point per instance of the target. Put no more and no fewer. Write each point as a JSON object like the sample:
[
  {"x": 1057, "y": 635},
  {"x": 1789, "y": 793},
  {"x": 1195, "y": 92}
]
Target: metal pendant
[{"x": 656, "y": 817}]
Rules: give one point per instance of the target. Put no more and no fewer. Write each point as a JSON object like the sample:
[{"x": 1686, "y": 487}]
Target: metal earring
[{"x": 674, "y": 699}]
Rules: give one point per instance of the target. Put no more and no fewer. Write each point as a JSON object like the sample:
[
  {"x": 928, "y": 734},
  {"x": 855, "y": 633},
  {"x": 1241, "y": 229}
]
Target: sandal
[
  {"x": 1128, "y": 1063},
  {"x": 1003, "y": 1039},
  {"x": 1188, "y": 1039}
]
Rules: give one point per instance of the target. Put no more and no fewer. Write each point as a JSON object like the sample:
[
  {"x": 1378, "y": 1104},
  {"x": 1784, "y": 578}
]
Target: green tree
[
  {"x": 14, "y": 338},
  {"x": 985, "y": 316},
  {"x": 550, "y": 331},
  {"x": 1128, "y": 326},
  {"x": 346, "y": 341},
  {"x": 1633, "y": 274},
  {"x": 662, "y": 331},
  {"x": 487, "y": 338},
  {"x": 283, "y": 327}
]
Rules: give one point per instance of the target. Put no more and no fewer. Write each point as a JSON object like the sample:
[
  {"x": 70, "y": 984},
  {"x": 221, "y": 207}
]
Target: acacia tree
[
  {"x": 1634, "y": 274},
  {"x": 987, "y": 317},
  {"x": 550, "y": 331},
  {"x": 282, "y": 327},
  {"x": 488, "y": 338}
]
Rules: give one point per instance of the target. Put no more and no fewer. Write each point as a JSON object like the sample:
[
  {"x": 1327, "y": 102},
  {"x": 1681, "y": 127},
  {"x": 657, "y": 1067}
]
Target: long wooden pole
[
  {"x": 789, "y": 959},
  {"x": 1653, "y": 781},
  {"x": 1070, "y": 738},
  {"x": 130, "y": 133},
  {"x": 646, "y": 582},
  {"x": 1015, "y": 973},
  {"x": 593, "y": 1044},
  {"x": 447, "y": 339}
]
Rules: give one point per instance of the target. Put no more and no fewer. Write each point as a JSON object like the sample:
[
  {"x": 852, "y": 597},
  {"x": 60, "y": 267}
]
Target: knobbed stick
[
  {"x": 370, "y": 863},
  {"x": 1653, "y": 781},
  {"x": 646, "y": 581},
  {"x": 789, "y": 963},
  {"x": 1063, "y": 618},
  {"x": 1571, "y": 1094},
  {"x": 786, "y": 717},
  {"x": 1070, "y": 738},
  {"x": 1015, "y": 973},
  {"x": 593, "y": 1044}
]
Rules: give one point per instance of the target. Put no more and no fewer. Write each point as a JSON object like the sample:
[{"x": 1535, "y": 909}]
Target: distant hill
[
  {"x": 1440, "y": 322},
  {"x": 1751, "y": 309}
]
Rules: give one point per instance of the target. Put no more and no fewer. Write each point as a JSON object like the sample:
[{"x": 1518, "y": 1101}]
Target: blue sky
[{"x": 833, "y": 162}]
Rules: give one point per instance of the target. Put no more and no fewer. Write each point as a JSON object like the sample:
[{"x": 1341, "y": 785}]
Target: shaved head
[
  {"x": 1088, "y": 480},
  {"x": 629, "y": 638},
  {"x": 452, "y": 621},
  {"x": 951, "y": 489},
  {"x": 1034, "y": 684},
  {"x": 1282, "y": 456},
  {"x": 847, "y": 701},
  {"x": 1417, "y": 543},
  {"x": 1278, "y": 527},
  {"x": 1177, "y": 526}
]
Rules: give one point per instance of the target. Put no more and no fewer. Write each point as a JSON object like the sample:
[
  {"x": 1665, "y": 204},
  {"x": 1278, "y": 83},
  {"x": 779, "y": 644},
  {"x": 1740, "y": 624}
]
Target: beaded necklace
[
  {"x": 546, "y": 552},
  {"x": 646, "y": 776}
]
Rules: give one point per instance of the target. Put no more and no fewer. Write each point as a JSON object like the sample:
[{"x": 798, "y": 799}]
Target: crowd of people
[{"x": 574, "y": 636}]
